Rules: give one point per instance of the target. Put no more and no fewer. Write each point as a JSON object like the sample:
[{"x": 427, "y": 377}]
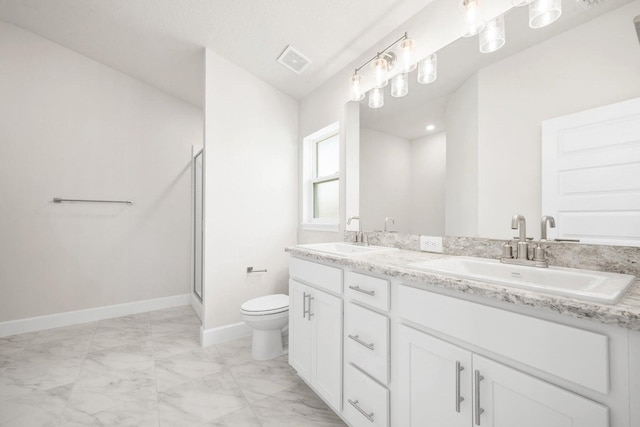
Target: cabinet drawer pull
[
  {"x": 368, "y": 416},
  {"x": 364, "y": 291},
  {"x": 478, "y": 410},
  {"x": 357, "y": 339},
  {"x": 459, "y": 399}
]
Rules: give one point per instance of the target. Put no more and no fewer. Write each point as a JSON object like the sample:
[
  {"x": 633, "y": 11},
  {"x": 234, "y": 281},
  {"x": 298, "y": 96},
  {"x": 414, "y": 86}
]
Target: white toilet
[{"x": 267, "y": 316}]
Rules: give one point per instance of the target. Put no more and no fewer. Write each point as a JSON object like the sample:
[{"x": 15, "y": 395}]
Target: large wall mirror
[{"x": 479, "y": 162}]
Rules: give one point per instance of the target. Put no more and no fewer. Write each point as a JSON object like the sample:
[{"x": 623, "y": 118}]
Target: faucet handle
[
  {"x": 507, "y": 250},
  {"x": 539, "y": 253}
]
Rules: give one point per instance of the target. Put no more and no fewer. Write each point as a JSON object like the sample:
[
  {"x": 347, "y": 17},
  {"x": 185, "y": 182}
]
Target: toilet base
[{"x": 266, "y": 345}]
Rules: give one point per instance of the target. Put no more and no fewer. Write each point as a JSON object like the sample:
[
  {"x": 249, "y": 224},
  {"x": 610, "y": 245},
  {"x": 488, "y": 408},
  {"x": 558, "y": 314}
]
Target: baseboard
[
  {"x": 224, "y": 333},
  {"x": 33, "y": 324}
]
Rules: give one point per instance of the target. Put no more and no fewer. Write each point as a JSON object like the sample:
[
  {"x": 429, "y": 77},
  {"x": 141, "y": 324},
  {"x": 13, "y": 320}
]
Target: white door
[
  {"x": 326, "y": 321},
  {"x": 591, "y": 174},
  {"x": 434, "y": 382},
  {"x": 299, "y": 329},
  {"x": 509, "y": 398}
]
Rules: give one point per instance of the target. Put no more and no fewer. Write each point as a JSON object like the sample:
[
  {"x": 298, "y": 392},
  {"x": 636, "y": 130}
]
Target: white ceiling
[{"x": 161, "y": 41}]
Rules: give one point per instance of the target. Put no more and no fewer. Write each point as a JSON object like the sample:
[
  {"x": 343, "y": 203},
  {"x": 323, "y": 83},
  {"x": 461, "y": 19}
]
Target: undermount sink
[
  {"x": 597, "y": 286},
  {"x": 345, "y": 249}
]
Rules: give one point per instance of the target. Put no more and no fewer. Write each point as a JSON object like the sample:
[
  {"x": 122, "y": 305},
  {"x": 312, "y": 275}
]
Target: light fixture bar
[{"x": 377, "y": 55}]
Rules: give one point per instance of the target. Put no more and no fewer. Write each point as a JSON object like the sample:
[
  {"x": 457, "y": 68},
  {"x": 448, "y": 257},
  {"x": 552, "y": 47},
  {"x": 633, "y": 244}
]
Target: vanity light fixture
[
  {"x": 407, "y": 55},
  {"x": 492, "y": 37},
  {"x": 428, "y": 69},
  {"x": 400, "y": 85},
  {"x": 356, "y": 88},
  {"x": 376, "y": 97},
  {"x": 473, "y": 22},
  {"x": 544, "y": 12},
  {"x": 383, "y": 63},
  {"x": 381, "y": 67}
]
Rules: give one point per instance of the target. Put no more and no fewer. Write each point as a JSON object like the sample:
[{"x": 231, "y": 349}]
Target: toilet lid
[{"x": 270, "y": 303}]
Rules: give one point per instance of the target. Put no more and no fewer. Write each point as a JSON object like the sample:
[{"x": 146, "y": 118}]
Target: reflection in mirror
[{"x": 480, "y": 162}]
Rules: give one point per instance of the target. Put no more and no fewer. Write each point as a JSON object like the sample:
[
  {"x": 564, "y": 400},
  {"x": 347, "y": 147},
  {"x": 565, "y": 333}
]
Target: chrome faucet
[
  {"x": 543, "y": 226},
  {"x": 386, "y": 221},
  {"x": 359, "y": 234},
  {"x": 522, "y": 254},
  {"x": 518, "y": 222}
]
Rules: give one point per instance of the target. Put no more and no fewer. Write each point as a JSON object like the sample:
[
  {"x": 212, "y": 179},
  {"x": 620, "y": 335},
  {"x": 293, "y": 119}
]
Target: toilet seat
[{"x": 269, "y": 304}]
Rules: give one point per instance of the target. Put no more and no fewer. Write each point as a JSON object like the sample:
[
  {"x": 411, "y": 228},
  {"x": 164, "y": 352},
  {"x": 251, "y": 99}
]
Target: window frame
[{"x": 310, "y": 178}]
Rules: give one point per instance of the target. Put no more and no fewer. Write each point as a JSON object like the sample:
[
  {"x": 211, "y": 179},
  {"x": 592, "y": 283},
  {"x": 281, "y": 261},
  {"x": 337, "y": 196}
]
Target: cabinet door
[
  {"x": 299, "y": 329},
  {"x": 509, "y": 398},
  {"x": 434, "y": 382},
  {"x": 326, "y": 321}
]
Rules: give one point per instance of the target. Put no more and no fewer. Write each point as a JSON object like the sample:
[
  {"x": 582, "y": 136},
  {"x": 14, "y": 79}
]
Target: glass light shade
[
  {"x": 428, "y": 69},
  {"x": 376, "y": 97},
  {"x": 473, "y": 22},
  {"x": 407, "y": 55},
  {"x": 492, "y": 37},
  {"x": 544, "y": 12},
  {"x": 400, "y": 85},
  {"x": 380, "y": 68},
  {"x": 355, "y": 84},
  {"x": 518, "y": 3}
]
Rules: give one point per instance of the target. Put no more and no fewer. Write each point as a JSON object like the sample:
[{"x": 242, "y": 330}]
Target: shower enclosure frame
[{"x": 197, "y": 206}]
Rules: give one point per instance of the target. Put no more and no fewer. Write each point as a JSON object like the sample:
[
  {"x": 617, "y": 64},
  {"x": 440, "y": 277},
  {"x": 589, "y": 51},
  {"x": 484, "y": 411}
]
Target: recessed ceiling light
[{"x": 430, "y": 127}]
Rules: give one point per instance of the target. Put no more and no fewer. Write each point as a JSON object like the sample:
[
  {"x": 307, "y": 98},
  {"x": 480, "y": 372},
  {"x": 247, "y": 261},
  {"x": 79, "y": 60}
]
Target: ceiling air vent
[{"x": 293, "y": 60}]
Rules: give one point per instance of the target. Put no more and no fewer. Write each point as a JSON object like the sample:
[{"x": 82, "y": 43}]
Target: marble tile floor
[{"x": 148, "y": 370}]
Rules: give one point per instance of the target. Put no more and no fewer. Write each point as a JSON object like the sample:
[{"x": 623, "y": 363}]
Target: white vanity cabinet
[
  {"x": 434, "y": 381},
  {"x": 366, "y": 350},
  {"x": 445, "y": 385},
  {"x": 315, "y": 328},
  {"x": 384, "y": 352}
]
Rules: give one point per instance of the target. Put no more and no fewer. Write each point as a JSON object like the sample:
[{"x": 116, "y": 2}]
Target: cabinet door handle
[
  {"x": 479, "y": 410},
  {"x": 364, "y": 291},
  {"x": 304, "y": 304},
  {"x": 459, "y": 399},
  {"x": 309, "y": 313},
  {"x": 357, "y": 339},
  {"x": 368, "y": 416}
]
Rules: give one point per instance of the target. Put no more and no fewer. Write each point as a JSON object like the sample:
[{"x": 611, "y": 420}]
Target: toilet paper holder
[{"x": 251, "y": 270}]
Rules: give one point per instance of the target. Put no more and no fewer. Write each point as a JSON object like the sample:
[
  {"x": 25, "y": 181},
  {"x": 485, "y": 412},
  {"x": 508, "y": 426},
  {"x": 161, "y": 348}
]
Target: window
[{"x": 321, "y": 186}]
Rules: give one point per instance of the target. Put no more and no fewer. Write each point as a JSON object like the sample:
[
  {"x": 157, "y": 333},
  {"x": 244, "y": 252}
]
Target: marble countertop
[{"x": 626, "y": 313}]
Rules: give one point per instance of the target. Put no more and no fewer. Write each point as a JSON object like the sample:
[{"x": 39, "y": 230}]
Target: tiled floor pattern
[{"x": 148, "y": 370}]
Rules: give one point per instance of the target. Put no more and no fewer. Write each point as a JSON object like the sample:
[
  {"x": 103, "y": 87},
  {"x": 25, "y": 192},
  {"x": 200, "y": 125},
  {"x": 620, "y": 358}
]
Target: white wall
[
  {"x": 427, "y": 184},
  {"x": 595, "y": 64},
  {"x": 324, "y": 106},
  {"x": 404, "y": 180},
  {"x": 251, "y": 189},
  {"x": 72, "y": 127},
  {"x": 385, "y": 180}
]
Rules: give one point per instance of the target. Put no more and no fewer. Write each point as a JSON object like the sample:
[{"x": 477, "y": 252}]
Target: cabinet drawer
[
  {"x": 366, "y": 403},
  {"x": 319, "y": 275},
  {"x": 367, "y": 341},
  {"x": 368, "y": 290},
  {"x": 576, "y": 355}
]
